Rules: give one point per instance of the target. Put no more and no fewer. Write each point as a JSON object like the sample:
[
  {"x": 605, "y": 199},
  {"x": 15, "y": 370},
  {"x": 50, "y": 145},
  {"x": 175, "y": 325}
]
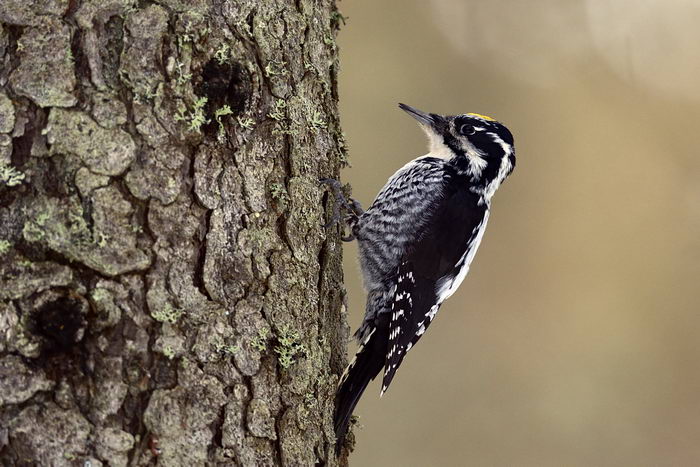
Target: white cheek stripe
[
  {"x": 507, "y": 148},
  {"x": 476, "y": 158},
  {"x": 491, "y": 188},
  {"x": 506, "y": 166}
]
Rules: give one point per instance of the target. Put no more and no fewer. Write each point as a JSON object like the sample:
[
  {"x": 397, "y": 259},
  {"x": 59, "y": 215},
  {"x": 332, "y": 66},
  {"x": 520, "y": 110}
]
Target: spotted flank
[
  {"x": 483, "y": 117},
  {"x": 401, "y": 310}
]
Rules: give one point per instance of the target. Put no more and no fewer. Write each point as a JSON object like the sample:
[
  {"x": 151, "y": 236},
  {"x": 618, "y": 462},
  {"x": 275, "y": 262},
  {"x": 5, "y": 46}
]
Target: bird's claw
[{"x": 352, "y": 207}]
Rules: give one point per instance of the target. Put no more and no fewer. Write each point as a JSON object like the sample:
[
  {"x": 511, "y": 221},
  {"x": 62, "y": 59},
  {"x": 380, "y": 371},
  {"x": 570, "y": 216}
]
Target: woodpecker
[{"x": 417, "y": 240}]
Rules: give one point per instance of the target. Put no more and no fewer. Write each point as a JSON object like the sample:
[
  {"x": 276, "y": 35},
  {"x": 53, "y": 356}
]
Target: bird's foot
[{"x": 353, "y": 209}]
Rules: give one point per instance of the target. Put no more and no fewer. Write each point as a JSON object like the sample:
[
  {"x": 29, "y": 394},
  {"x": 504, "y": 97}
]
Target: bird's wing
[{"x": 432, "y": 268}]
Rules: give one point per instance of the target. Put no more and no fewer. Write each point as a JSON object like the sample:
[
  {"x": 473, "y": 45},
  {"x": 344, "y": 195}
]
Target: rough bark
[{"x": 167, "y": 292}]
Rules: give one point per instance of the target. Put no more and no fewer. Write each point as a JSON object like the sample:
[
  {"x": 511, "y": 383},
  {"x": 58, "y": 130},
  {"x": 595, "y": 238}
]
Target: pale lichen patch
[
  {"x": 183, "y": 429},
  {"x": 45, "y": 72},
  {"x": 108, "y": 110},
  {"x": 108, "y": 246},
  {"x": 10, "y": 176},
  {"x": 18, "y": 382},
  {"x": 30, "y": 12},
  {"x": 24, "y": 278},
  {"x": 259, "y": 420},
  {"x": 157, "y": 174},
  {"x": 7, "y": 114},
  {"x": 52, "y": 435},
  {"x": 87, "y": 181},
  {"x": 304, "y": 222},
  {"x": 114, "y": 444},
  {"x": 104, "y": 151},
  {"x": 141, "y": 59},
  {"x": 108, "y": 313}
]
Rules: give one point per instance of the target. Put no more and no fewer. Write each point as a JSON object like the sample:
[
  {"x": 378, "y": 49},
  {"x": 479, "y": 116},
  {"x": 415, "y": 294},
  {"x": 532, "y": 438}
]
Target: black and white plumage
[{"x": 418, "y": 239}]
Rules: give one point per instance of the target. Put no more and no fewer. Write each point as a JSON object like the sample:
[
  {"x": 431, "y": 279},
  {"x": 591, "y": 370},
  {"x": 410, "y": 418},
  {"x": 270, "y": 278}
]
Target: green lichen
[
  {"x": 69, "y": 56},
  {"x": 101, "y": 295},
  {"x": 285, "y": 131},
  {"x": 259, "y": 342},
  {"x": 149, "y": 95},
  {"x": 247, "y": 123},
  {"x": 128, "y": 10},
  {"x": 193, "y": 24},
  {"x": 279, "y": 194},
  {"x": 222, "y": 54},
  {"x": 168, "y": 314},
  {"x": 4, "y": 246},
  {"x": 310, "y": 399},
  {"x": 337, "y": 17},
  {"x": 105, "y": 246},
  {"x": 279, "y": 110},
  {"x": 195, "y": 117},
  {"x": 275, "y": 68},
  {"x": 33, "y": 230},
  {"x": 288, "y": 347},
  {"x": 182, "y": 76},
  {"x": 221, "y": 112},
  {"x": 101, "y": 239},
  {"x": 316, "y": 121},
  {"x": 168, "y": 352},
  {"x": 10, "y": 176},
  {"x": 226, "y": 349},
  {"x": 183, "y": 39},
  {"x": 79, "y": 231},
  {"x": 278, "y": 191}
]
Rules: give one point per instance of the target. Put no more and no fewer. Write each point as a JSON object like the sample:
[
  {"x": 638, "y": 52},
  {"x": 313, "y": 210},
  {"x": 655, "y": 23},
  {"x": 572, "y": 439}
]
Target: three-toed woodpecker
[{"x": 417, "y": 240}]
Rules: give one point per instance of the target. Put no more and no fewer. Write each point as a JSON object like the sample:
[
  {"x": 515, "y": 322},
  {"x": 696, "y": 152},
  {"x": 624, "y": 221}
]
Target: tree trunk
[{"x": 167, "y": 292}]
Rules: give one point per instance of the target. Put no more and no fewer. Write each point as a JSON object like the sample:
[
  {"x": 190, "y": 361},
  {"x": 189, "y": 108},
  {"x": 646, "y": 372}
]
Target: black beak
[
  {"x": 422, "y": 117},
  {"x": 431, "y": 120}
]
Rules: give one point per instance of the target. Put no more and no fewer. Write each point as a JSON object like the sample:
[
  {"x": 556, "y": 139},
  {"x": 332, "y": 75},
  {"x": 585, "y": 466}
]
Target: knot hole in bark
[
  {"x": 223, "y": 84},
  {"x": 61, "y": 322}
]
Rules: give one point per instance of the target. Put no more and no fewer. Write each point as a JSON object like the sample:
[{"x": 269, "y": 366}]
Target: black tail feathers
[{"x": 367, "y": 364}]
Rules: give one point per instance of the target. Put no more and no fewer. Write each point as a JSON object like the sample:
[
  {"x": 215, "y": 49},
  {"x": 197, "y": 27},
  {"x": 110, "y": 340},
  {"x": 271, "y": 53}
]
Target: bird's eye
[{"x": 466, "y": 130}]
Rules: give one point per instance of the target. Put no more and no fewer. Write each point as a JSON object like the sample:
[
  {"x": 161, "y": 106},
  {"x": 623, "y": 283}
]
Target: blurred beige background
[{"x": 575, "y": 339}]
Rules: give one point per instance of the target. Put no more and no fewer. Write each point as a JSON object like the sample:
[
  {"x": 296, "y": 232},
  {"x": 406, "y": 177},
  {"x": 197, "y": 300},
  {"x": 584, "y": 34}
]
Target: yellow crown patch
[{"x": 485, "y": 117}]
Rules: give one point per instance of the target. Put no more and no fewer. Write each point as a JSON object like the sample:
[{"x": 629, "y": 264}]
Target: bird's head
[{"x": 477, "y": 145}]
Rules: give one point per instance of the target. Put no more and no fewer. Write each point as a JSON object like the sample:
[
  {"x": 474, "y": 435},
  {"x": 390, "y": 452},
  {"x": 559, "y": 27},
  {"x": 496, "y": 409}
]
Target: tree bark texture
[{"x": 167, "y": 293}]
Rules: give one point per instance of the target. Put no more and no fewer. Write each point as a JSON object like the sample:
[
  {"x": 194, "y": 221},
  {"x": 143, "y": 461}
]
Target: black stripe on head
[
  {"x": 504, "y": 133},
  {"x": 452, "y": 143},
  {"x": 484, "y": 142}
]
